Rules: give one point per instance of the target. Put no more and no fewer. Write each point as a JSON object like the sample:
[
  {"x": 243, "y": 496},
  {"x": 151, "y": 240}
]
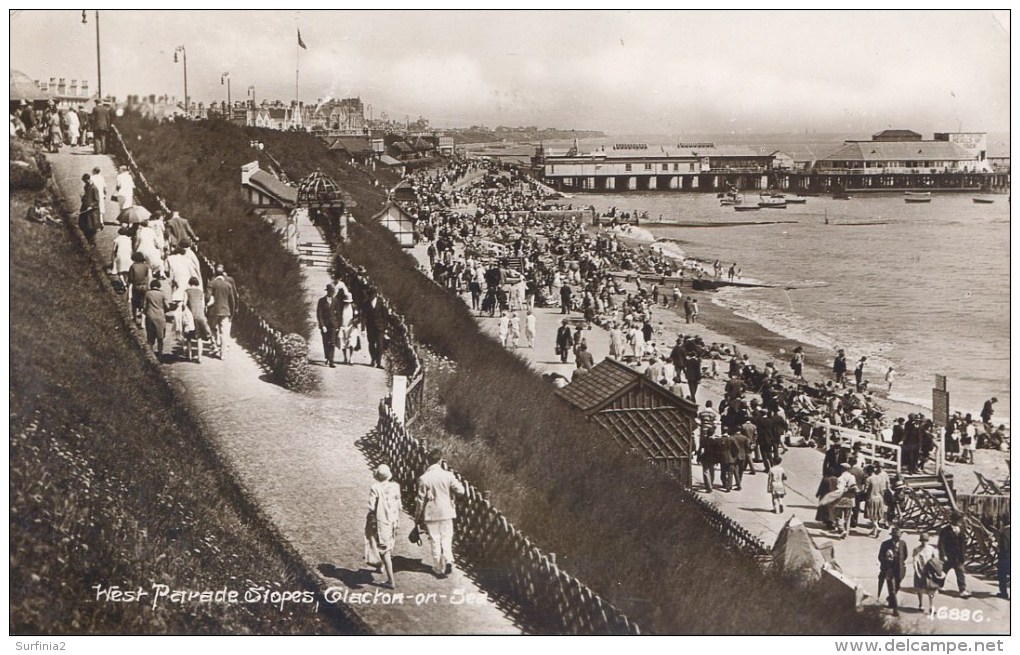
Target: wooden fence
[
  {"x": 252, "y": 331},
  {"x": 503, "y": 557}
]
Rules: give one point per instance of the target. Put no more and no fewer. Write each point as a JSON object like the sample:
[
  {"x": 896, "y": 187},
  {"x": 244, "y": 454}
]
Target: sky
[{"x": 620, "y": 72}]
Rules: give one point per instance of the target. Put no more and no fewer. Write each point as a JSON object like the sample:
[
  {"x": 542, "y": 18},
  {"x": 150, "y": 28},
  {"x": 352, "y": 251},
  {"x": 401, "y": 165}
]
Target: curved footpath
[
  {"x": 751, "y": 507},
  {"x": 303, "y": 461}
]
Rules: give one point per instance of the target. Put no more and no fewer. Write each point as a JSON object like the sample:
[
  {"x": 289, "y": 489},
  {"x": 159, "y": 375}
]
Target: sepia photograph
[{"x": 586, "y": 322}]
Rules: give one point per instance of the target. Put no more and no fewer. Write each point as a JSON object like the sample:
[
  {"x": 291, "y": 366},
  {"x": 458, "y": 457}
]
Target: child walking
[{"x": 777, "y": 484}]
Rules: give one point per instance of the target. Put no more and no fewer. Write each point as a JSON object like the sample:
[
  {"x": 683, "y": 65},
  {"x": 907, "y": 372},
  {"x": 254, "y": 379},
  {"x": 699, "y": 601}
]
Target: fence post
[{"x": 399, "y": 392}]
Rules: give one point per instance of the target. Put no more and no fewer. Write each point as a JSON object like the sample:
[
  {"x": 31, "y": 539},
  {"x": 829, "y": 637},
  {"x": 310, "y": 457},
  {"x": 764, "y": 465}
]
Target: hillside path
[{"x": 304, "y": 460}]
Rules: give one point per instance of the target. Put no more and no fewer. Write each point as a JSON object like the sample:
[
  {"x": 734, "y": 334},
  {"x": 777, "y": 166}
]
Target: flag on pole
[{"x": 299, "y": 41}]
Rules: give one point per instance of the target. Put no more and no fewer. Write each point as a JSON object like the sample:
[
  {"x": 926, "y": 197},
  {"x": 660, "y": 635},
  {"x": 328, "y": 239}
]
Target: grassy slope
[
  {"x": 616, "y": 523},
  {"x": 110, "y": 480},
  {"x": 197, "y": 169}
]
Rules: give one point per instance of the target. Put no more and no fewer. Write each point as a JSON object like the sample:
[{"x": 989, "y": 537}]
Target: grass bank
[
  {"x": 111, "y": 480},
  {"x": 616, "y": 523}
]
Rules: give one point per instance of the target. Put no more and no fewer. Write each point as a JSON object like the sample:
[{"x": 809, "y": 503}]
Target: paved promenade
[
  {"x": 857, "y": 555},
  {"x": 304, "y": 461}
]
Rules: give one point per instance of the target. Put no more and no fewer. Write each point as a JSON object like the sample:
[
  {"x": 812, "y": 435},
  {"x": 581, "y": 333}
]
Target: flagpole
[{"x": 297, "y": 68}]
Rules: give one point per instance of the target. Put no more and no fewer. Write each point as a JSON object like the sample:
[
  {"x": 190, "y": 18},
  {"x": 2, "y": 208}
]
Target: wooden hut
[{"x": 638, "y": 413}]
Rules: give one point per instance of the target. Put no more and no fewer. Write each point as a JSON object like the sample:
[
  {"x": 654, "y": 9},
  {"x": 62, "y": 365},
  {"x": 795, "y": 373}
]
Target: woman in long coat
[{"x": 381, "y": 522}]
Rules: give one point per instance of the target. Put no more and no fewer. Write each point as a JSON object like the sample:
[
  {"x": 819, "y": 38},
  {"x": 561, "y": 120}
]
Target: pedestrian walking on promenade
[
  {"x": 120, "y": 262},
  {"x": 928, "y": 573},
  {"x": 99, "y": 182},
  {"x": 327, "y": 329},
  {"x": 530, "y": 326},
  {"x": 436, "y": 490},
  {"x": 515, "y": 331},
  {"x": 138, "y": 278},
  {"x": 156, "y": 306},
  {"x": 874, "y": 497},
  {"x": 565, "y": 298},
  {"x": 372, "y": 321},
  {"x": 222, "y": 308},
  {"x": 100, "y": 126},
  {"x": 777, "y": 484},
  {"x": 953, "y": 551},
  {"x": 125, "y": 188},
  {"x": 892, "y": 560},
  {"x": 195, "y": 304},
  {"x": 88, "y": 214},
  {"x": 564, "y": 341},
  {"x": 504, "y": 328},
  {"x": 178, "y": 229},
  {"x": 381, "y": 523}
]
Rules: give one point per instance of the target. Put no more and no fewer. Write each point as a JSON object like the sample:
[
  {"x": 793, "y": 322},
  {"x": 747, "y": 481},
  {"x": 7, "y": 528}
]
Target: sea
[{"x": 920, "y": 287}]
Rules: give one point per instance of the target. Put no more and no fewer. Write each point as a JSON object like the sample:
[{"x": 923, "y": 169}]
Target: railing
[
  {"x": 503, "y": 557},
  {"x": 251, "y": 330},
  {"x": 872, "y": 450},
  {"x": 401, "y": 350},
  {"x": 740, "y": 536}
]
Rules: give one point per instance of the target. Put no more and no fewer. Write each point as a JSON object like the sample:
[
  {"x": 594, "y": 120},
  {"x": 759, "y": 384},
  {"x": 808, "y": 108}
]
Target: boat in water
[
  {"x": 747, "y": 208},
  {"x": 841, "y": 195},
  {"x": 772, "y": 202},
  {"x": 983, "y": 201},
  {"x": 799, "y": 200},
  {"x": 917, "y": 196}
]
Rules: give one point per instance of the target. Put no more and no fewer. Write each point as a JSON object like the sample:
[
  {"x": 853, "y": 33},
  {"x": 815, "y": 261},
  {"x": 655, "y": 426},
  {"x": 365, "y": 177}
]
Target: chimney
[
  {"x": 53, "y": 84},
  {"x": 74, "y": 87},
  {"x": 62, "y": 87},
  {"x": 85, "y": 88}
]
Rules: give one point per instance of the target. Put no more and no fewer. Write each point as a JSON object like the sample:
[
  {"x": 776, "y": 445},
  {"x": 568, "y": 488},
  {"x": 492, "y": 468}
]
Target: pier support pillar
[
  {"x": 674, "y": 182},
  {"x": 763, "y": 182},
  {"x": 653, "y": 183},
  {"x": 591, "y": 183},
  {"x": 694, "y": 182},
  {"x": 632, "y": 184},
  {"x": 610, "y": 183}
]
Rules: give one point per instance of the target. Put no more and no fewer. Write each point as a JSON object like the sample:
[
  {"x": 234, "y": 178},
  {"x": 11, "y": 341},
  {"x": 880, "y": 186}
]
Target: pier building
[
  {"x": 891, "y": 160},
  {"x": 640, "y": 167}
]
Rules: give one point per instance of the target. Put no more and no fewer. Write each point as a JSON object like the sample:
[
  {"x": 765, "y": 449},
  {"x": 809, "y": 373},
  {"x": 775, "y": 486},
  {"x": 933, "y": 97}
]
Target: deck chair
[{"x": 986, "y": 486}]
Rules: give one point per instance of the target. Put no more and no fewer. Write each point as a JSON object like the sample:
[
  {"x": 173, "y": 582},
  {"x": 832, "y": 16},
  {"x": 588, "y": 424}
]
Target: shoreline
[{"x": 723, "y": 325}]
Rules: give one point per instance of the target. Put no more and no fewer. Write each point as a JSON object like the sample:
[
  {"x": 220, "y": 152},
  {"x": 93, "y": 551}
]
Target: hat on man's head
[
  {"x": 329, "y": 287},
  {"x": 382, "y": 473},
  {"x": 185, "y": 243}
]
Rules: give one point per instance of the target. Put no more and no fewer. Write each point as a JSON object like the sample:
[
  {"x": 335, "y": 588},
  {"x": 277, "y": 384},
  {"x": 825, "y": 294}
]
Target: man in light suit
[{"x": 436, "y": 488}]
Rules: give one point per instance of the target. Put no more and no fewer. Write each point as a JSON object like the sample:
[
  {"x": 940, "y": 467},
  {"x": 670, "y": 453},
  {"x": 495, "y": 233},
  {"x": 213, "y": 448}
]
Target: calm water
[{"x": 926, "y": 291}]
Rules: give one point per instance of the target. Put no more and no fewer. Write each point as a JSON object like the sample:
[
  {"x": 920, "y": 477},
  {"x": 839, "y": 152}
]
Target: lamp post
[
  {"x": 99, "y": 63},
  {"x": 184, "y": 55},
  {"x": 226, "y": 76}
]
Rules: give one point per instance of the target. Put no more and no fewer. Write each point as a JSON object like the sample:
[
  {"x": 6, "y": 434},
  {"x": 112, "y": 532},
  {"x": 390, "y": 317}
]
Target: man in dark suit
[
  {"x": 892, "y": 560},
  {"x": 564, "y": 341},
  {"x": 371, "y": 318},
  {"x": 327, "y": 327},
  {"x": 100, "y": 126},
  {"x": 953, "y": 551},
  {"x": 727, "y": 461}
]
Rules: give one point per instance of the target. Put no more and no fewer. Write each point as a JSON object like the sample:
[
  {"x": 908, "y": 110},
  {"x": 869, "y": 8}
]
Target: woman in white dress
[
  {"x": 381, "y": 523},
  {"x": 145, "y": 243}
]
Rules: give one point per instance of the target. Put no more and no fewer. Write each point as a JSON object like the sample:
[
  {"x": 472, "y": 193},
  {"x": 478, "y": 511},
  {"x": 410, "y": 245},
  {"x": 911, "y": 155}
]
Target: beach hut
[
  {"x": 398, "y": 221},
  {"x": 637, "y": 413},
  {"x": 24, "y": 89}
]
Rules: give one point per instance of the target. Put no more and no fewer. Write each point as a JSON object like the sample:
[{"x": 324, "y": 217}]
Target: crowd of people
[
  {"x": 154, "y": 263},
  {"x": 55, "y": 127}
]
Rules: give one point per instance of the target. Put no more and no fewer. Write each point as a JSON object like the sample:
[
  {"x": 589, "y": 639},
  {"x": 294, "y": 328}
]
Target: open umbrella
[{"x": 134, "y": 214}]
